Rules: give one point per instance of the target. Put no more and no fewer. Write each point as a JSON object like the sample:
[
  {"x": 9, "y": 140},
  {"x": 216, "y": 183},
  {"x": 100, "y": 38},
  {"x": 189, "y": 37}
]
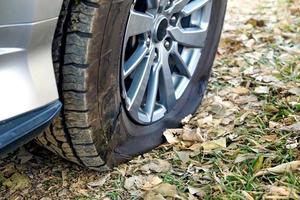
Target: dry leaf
[
  {"x": 184, "y": 156},
  {"x": 186, "y": 120},
  {"x": 255, "y": 22},
  {"x": 194, "y": 190},
  {"x": 261, "y": 90},
  {"x": 247, "y": 195},
  {"x": 166, "y": 190},
  {"x": 151, "y": 182},
  {"x": 293, "y": 127},
  {"x": 142, "y": 182},
  {"x": 193, "y": 135},
  {"x": 242, "y": 157},
  {"x": 282, "y": 191},
  {"x": 17, "y": 181},
  {"x": 191, "y": 197},
  {"x": 295, "y": 91},
  {"x": 291, "y": 50},
  {"x": 99, "y": 182},
  {"x": 269, "y": 138},
  {"x": 208, "y": 120},
  {"x": 273, "y": 125},
  {"x": 153, "y": 196},
  {"x": 215, "y": 144},
  {"x": 173, "y": 136},
  {"x": 245, "y": 99},
  {"x": 157, "y": 165},
  {"x": 286, "y": 167}
]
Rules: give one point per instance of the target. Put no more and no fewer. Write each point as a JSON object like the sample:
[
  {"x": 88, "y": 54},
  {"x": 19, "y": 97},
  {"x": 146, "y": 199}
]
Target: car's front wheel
[{"x": 126, "y": 71}]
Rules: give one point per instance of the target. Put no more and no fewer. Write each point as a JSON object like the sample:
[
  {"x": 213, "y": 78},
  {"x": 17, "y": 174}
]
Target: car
[{"x": 98, "y": 81}]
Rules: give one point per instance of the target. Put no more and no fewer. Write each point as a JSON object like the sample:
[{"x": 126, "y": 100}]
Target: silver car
[{"x": 98, "y": 81}]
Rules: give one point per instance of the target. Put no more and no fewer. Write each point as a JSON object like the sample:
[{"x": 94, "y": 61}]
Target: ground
[{"x": 243, "y": 143}]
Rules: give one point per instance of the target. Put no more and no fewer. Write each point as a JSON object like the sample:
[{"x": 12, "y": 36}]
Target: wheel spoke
[
  {"x": 177, "y": 6},
  {"x": 167, "y": 90},
  {"x": 139, "y": 23},
  {"x": 152, "y": 4},
  {"x": 180, "y": 64},
  {"x": 156, "y": 3},
  {"x": 139, "y": 84},
  {"x": 136, "y": 58},
  {"x": 189, "y": 37},
  {"x": 152, "y": 92},
  {"x": 194, "y": 6}
]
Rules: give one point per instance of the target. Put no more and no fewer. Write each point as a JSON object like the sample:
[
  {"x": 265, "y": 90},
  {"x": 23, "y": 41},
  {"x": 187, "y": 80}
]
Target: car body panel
[
  {"x": 27, "y": 80},
  {"x": 20, "y": 130},
  {"x": 28, "y": 11}
]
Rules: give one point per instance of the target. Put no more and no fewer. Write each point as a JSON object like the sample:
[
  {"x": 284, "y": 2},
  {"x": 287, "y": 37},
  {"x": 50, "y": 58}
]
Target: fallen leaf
[
  {"x": 17, "y": 182},
  {"x": 273, "y": 125},
  {"x": 269, "y": 138},
  {"x": 194, "y": 190},
  {"x": 295, "y": 91},
  {"x": 153, "y": 196},
  {"x": 205, "y": 121},
  {"x": 157, "y": 165},
  {"x": 271, "y": 109},
  {"x": 293, "y": 127},
  {"x": 215, "y": 144},
  {"x": 173, "y": 136},
  {"x": 291, "y": 50},
  {"x": 166, "y": 190},
  {"x": 184, "y": 156},
  {"x": 255, "y": 22},
  {"x": 286, "y": 167},
  {"x": 142, "y": 182},
  {"x": 130, "y": 182},
  {"x": 151, "y": 182},
  {"x": 247, "y": 195},
  {"x": 193, "y": 135},
  {"x": 8, "y": 170},
  {"x": 191, "y": 197},
  {"x": 245, "y": 99},
  {"x": 186, "y": 120},
  {"x": 292, "y": 146},
  {"x": 282, "y": 191},
  {"x": 242, "y": 157},
  {"x": 99, "y": 182},
  {"x": 261, "y": 90},
  {"x": 267, "y": 79},
  {"x": 240, "y": 90}
]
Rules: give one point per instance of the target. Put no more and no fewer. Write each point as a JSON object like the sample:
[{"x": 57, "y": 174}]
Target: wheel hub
[
  {"x": 160, "y": 30},
  {"x": 161, "y": 50}
]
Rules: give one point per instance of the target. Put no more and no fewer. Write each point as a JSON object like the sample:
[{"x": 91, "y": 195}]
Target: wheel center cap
[{"x": 161, "y": 29}]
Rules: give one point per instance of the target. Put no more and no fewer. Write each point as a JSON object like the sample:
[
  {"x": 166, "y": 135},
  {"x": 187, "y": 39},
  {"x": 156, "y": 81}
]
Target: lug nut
[
  {"x": 173, "y": 20},
  {"x": 169, "y": 3},
  {"x": 167, "y": 44},
  {"x": 148, "y": 41}
]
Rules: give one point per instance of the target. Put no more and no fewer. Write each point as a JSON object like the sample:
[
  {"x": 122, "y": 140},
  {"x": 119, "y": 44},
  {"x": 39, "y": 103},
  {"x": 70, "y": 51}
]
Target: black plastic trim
[{"x": 20, "y": 130}]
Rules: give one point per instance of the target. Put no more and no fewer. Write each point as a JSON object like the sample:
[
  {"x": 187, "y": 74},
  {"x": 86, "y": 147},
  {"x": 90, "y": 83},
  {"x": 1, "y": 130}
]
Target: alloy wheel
[{"x": 161, "y": 50}]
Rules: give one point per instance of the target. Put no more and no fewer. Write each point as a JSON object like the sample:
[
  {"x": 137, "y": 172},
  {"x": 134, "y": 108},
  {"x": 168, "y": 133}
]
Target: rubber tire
[{"x": 93, "y": 128}]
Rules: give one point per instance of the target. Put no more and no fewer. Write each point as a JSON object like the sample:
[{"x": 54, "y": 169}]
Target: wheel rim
[{"x": 161, "y": 50}]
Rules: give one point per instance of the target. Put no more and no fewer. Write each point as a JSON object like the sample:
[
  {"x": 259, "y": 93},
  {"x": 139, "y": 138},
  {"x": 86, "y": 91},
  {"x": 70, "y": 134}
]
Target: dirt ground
[{"x": 243, "y": 143}]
